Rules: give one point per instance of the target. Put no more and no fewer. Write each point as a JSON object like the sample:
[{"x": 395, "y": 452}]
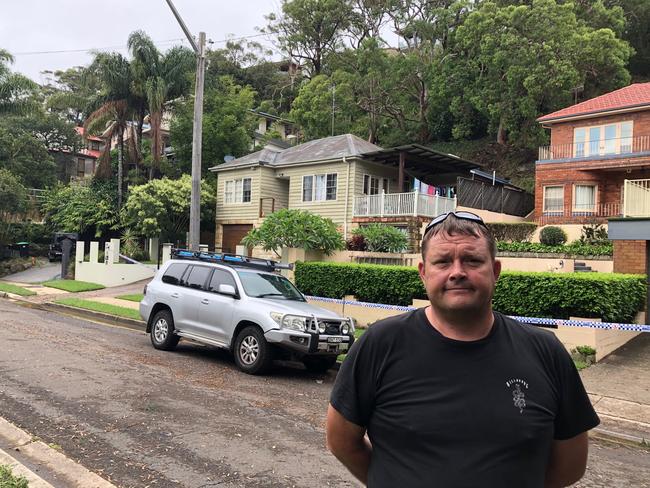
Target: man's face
[{"x": 459, "y": 274}]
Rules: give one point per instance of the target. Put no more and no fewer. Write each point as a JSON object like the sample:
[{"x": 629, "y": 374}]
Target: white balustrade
[{"x": 402, "y": 204}]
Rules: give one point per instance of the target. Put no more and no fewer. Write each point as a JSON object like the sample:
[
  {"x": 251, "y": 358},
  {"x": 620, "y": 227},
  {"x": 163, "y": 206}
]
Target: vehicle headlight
[
  {"x": 322, "y": 327},
  {"x": 345, "y": 328},
  {"x": 293, "y": 322}
]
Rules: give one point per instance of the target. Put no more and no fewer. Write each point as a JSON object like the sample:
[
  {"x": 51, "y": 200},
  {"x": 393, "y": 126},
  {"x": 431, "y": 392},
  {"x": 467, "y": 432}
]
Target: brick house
[{"x": 598, "y": 163}]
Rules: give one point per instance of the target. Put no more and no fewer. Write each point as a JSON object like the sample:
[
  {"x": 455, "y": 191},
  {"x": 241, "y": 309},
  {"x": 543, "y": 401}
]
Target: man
[{"x": 454, "y": 394}]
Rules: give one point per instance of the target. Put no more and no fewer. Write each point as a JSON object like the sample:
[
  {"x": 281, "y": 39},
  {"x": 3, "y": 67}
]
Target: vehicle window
[
  {"x": 174, "y": 273},
  {"x": 196, "y": 277},
  {"x": 264, "y": 285},
  {"x": 221, "y": 277}
]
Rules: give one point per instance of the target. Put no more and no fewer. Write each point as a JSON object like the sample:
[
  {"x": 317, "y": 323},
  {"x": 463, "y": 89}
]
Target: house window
[
  {"x": 317, "y": 188},
  {"x": 553, "y": 199},
  {"x": 372, "y": 185},
  {"x": 602, "y": 140},
  {"x": 584, "y": 198},
  {"x": 94, "y": 145},
  {"x": 238, "y": 191}
]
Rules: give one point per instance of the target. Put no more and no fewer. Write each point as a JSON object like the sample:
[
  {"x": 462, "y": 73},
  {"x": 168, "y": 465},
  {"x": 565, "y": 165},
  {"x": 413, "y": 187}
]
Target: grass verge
[
  {"x": 8, "y": 480},
  {"x": 17, "y": 290},
  {"x": 136, "y": 297},
  {"x": 128, "y": 313},
  {"x": 73, "y": 286}
]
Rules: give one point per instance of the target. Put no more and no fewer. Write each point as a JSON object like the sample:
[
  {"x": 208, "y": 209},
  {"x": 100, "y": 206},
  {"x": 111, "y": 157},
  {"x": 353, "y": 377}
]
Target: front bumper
[{"x": 310, "y": 343}]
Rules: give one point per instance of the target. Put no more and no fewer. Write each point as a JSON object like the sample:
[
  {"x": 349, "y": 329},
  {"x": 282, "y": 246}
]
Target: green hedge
[
  {"x": 612, "y": 297},
  {"x": 512, "y": 232},
  {"x": 575, "y": 249}
]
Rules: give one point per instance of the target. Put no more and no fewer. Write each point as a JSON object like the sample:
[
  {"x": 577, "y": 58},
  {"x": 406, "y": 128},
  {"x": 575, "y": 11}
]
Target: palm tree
[
  {"x": 15, "y": 88},
  {"x": 158, "y": 78},
  {"x": 115, "y": 110}
]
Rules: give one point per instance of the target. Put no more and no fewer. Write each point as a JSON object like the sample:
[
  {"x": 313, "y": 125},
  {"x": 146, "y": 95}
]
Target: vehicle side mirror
[{"x": 227, "y": 290}]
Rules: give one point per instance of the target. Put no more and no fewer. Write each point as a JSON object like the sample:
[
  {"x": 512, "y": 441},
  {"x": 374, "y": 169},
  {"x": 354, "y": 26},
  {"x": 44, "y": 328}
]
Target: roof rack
[{"x": 229, "y": 259}]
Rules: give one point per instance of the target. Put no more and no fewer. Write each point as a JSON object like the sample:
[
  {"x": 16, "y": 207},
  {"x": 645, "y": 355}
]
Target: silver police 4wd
[{"x": 244, "y": 305}]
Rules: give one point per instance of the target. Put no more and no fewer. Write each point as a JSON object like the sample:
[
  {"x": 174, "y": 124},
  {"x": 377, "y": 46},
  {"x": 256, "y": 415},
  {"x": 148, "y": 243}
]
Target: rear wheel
[
  {"x": 319, "y": 364},
  {"x": 253, "y": 355},
  {"x": 162, "y": 331}
]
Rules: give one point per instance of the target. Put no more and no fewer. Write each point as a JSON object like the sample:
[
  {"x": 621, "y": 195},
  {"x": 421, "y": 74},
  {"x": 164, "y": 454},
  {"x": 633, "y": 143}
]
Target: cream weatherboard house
[{"x": 350, "y": 181}]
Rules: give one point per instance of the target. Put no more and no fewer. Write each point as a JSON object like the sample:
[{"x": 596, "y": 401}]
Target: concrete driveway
[{"x": 37, "y": 274}]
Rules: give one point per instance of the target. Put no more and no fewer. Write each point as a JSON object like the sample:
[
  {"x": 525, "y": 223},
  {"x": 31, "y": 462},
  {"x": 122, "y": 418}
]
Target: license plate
[{"x": 335, "y": 339}]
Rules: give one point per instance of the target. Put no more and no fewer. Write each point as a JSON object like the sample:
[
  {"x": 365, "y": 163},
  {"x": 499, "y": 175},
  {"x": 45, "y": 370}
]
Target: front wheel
[
  {"x": 162, "y": 331},
  {"x": 253, "y": 355},
  {"x": 319, "y": 364}
]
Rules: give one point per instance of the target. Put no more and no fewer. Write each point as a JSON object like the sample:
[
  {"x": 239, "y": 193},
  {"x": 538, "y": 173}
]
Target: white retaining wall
[{"x": 110, "y": 272}]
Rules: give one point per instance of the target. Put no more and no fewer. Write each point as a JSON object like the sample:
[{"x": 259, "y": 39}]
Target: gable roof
[
  {"x": 636, "y": 96},
  {"x": 328, "y": 148}
]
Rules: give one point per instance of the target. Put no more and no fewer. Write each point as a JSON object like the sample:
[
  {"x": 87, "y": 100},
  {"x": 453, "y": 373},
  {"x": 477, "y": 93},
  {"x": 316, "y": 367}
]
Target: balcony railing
[
  {"x": 636, "y": 198},
  {"x": 596, "y": 149},
  {"x": 402, "y": 204},
  {"x": 586, "y": 213}
]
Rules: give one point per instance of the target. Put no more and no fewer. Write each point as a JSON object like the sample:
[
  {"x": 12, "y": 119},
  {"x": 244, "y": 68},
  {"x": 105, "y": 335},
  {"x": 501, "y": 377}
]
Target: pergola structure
[{"x": 422, "y": 162}]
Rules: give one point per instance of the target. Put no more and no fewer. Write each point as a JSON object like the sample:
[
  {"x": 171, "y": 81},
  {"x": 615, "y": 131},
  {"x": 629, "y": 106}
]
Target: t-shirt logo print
[{"x": 518, "y": 396}]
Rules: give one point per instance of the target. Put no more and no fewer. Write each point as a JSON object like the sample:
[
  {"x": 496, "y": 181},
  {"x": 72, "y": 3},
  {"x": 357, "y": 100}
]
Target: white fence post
[
  {"x": 381, "y": 204},
  {"x": 166, "y": 252},
  {"x": 416, "y": 197}
]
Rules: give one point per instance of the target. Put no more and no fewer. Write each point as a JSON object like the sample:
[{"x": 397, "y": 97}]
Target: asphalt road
[
  {"x": 141, "y": 417},
  {"x": 36, "y": 274}
]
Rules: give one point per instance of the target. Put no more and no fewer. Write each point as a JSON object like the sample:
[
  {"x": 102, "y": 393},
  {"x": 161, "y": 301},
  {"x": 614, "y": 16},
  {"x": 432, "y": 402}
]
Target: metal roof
[{"x": 421, "y": 161}]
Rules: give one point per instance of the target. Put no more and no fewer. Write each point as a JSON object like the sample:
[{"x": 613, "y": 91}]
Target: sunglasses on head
[{"x": 459, "y": 215}]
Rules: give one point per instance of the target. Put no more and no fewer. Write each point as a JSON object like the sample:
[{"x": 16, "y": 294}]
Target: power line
[{"x": 123, "y": 46}]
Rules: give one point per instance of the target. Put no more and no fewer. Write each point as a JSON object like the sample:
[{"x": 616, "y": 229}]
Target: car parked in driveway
[{"x": 244, "y": 305}]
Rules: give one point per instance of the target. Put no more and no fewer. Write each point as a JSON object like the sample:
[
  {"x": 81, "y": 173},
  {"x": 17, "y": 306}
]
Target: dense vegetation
[{"x": 612, "y": 297}]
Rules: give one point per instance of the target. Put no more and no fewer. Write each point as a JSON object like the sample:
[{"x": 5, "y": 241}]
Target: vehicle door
[
  {"x": 216, "y": 309},
  {"x": 172, "y": 293},
  {"x": 194, "y": 284}
]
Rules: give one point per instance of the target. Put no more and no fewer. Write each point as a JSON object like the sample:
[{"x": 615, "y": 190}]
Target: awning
[{"x": 422, "y": 162}]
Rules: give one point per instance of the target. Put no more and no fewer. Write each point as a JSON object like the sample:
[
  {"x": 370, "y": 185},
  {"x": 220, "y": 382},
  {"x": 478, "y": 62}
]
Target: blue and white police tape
[{"x": 542, "y": 322}]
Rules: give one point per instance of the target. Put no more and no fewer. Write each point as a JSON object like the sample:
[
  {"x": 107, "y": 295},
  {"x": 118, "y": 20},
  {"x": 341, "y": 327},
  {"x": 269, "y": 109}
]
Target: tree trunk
[
  {"x": 501, "y": 133},
  {"x": 120, "y": 166}
]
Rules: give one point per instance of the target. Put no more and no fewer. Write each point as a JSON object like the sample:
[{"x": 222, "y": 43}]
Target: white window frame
[
  {"x": 544, "y": 200},
  {"x": 620, "y": 144},
  {"x": 233, "y": 191},
  {"x": 316, "y": 195},
  {"x": 382, "y": 184},
  {"x": 573, "y": 198}
]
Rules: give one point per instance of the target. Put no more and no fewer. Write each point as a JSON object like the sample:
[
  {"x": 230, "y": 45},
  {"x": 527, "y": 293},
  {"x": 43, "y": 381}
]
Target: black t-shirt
[{"x": 446, "y": 413}]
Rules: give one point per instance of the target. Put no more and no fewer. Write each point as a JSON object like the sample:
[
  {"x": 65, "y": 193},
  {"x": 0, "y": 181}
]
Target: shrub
[
  {"x": 512, "y": 232},
  {"x": 552, "y": 236},
  {"x": 295, "y": 228},
  {"x": 356, "y": 243},
  {"x": 593, "y": 235},
  {"x": 382, "y": 238},
  {"x": 612, "y": 297},
  {"x": 574, "y": 249}
]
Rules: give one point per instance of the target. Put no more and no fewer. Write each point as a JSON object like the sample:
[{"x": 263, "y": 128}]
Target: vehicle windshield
[{"x": 265, "y": 285}]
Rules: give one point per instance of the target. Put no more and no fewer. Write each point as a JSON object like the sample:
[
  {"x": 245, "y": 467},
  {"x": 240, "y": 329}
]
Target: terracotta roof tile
[{"x": 634, "y": 95}]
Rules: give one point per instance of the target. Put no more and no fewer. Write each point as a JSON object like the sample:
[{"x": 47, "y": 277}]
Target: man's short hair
[{"x": 453, "y": 225}]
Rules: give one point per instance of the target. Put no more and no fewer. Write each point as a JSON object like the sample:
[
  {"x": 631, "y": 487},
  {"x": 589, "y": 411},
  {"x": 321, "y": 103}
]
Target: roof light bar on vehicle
[{"x": 229, "y": 259}]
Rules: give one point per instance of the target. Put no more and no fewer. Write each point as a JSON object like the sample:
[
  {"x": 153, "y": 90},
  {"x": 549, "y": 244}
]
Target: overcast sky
[{"x": 30, "y": 26}]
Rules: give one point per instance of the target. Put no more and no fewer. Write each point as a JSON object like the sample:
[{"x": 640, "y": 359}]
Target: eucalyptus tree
[
  {"x": 15, "y": 89},
  {"x": 158, "y": 78}
]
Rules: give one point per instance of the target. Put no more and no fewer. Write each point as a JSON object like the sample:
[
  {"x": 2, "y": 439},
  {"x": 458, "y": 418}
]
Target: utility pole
[{"x": 197, "y": 132}]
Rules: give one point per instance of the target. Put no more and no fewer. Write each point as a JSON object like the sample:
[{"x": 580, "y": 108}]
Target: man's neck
[{"x": 465, "y": 327}]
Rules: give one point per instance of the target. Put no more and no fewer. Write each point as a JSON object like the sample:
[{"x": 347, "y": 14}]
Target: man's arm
[
  {"x": 347, "y": 442},
  {"x": 567, "y": 462}
]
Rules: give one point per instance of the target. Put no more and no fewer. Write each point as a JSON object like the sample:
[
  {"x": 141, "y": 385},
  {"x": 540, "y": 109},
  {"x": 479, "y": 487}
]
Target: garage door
[{"x": 232, "y": 236}]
